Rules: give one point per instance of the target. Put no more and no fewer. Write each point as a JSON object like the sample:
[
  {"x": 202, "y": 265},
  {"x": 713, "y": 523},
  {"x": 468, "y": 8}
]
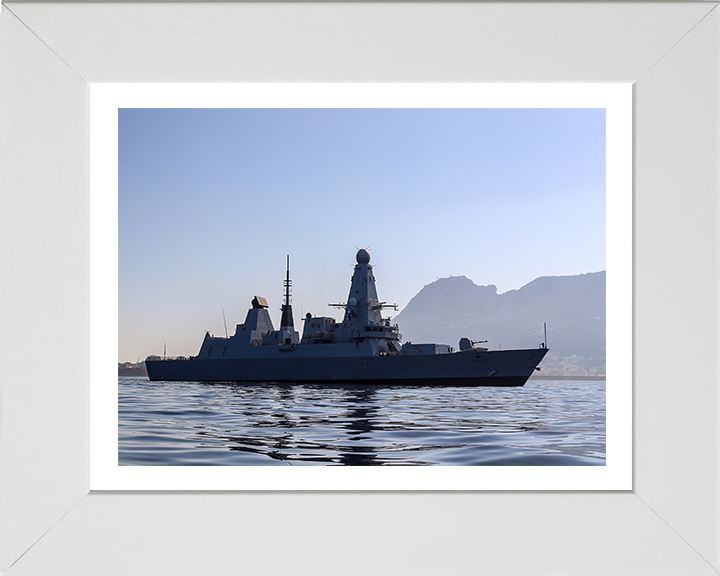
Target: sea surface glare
[{"x": 545, "y": 423}]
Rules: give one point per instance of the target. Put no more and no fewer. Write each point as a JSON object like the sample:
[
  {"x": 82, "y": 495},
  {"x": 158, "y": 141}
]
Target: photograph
[{"x": 361, "y": 286}]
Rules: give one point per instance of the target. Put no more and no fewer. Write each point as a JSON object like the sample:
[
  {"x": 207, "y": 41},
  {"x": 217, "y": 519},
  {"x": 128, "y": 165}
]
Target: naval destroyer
[{"x": 363, "y": 349}]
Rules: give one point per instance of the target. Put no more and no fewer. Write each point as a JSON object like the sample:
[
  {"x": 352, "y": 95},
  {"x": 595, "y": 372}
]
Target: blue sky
[{"x": 211, "y": 201}]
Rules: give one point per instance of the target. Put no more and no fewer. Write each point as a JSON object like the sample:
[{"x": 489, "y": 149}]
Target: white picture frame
[{"x": 668, "y": 523}]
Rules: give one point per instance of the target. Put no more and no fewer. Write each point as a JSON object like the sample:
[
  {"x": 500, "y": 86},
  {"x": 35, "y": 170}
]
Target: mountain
[{"x": 572, "y": 306}]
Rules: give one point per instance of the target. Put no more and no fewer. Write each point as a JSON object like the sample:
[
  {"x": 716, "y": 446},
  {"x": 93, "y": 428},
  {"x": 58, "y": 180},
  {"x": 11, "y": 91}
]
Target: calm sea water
[{"x": 545, "y": 423}]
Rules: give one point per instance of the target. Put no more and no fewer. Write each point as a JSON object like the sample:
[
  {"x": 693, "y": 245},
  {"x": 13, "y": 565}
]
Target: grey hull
[{"x": 467, "y": 368}]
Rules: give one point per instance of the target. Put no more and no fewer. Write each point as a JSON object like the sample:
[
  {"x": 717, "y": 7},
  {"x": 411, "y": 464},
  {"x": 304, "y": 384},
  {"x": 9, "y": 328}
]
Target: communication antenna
[
  {"x": 286, "y": 321},
  {"x": 225, "y": 323},
  {"x": 545, "y": 331},
  {"x": 287, "y": 282},
  {"x": 164, "y": 350}
]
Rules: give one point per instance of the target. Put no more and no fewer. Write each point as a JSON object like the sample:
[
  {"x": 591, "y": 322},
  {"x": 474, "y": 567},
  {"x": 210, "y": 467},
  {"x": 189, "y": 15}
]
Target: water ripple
[{"x": 545, "y": 423}]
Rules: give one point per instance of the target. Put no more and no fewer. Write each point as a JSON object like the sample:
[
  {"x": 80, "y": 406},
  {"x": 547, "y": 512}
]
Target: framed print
[
  {"x": 51, "y": 56},
  {"x": 293, "y": 457}
]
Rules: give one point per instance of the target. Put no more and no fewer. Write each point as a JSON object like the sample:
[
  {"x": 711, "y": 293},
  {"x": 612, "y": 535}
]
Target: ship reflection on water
[
  {"x": 361, "y": 414},
  {"x": 184, "y": 424},
  {"x": 353, "y": 451}
]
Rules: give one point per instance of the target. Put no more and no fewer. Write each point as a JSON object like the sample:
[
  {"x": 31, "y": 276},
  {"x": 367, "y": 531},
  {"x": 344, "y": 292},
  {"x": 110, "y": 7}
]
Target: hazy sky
[{"x": 211, "y": 201}]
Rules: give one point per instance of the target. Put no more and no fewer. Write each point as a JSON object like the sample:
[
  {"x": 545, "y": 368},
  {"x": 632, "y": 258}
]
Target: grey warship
[{"x": 363, "y": 349}]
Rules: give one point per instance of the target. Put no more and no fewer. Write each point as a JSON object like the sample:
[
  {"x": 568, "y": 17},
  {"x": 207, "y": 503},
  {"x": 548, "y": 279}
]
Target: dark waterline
[{"x": 544, "y": 423}]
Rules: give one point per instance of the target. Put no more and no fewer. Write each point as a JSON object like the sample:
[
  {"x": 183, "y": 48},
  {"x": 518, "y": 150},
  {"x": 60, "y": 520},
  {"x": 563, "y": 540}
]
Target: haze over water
[{"x": 544, "y": 423}]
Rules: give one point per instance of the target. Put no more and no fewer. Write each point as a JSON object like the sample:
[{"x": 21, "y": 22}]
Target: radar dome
[{"x": 363, "y": 256}]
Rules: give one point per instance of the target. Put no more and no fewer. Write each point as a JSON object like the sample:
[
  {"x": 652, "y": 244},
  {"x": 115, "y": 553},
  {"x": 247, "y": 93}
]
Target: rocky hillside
[{"x": 572, "y": 306}]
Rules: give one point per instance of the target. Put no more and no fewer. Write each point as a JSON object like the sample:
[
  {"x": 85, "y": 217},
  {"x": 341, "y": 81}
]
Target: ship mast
[
  {"x": 286, "y": 320},
  {"x": 287, "y": 282}
]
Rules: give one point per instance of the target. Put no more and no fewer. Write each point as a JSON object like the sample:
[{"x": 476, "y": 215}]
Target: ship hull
[{"x": 467, "y": 368}]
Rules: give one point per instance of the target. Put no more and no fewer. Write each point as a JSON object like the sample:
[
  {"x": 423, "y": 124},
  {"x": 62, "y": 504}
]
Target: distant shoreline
[
  {"x": 143, "y": 372},
  {"x": 549, "y": 377},
  {"x": 132, "y": 372}
]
